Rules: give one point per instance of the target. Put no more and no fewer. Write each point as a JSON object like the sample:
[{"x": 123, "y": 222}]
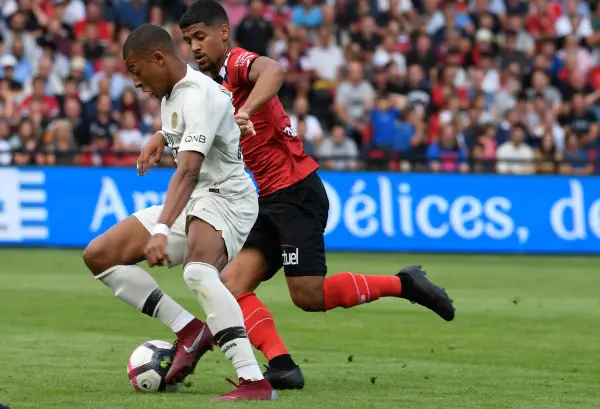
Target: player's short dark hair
[
  {"x": 209, "y": 12},
  {"x": 148, "y": 38}
]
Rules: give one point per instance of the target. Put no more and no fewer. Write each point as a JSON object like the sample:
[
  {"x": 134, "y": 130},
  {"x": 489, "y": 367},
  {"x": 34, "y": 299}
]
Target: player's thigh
[
  {"x": 261, "y": 252},
  {"x": 225, "y": 223},
  {"x": 304, "y": 263},
  {"x": 177, "y": 240},
  {"x": 245, "y": 272},
  {"x": 124, "y": 243}
]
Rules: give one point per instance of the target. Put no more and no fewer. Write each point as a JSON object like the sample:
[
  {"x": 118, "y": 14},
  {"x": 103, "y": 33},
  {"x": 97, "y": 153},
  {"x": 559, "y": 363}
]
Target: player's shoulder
[
  {"x": 239, "y": 57},
  {"x": 195, "y": 85}
]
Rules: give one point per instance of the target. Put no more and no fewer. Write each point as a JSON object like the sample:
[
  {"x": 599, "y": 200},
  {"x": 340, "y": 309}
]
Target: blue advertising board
[{"x": 368, "y": 211}]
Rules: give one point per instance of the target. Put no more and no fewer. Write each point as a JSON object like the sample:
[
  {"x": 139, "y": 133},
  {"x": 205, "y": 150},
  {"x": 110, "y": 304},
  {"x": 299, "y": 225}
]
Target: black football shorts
[{"x": 290, "y": 226}]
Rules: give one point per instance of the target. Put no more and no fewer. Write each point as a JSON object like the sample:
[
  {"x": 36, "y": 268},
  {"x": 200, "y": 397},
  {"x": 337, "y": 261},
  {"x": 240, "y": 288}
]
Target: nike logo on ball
[{"x": 196, "y": 342}]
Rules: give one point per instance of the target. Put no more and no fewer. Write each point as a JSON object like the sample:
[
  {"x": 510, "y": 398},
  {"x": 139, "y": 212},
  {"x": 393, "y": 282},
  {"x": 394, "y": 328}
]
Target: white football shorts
[{"x": 234, "y": 218}]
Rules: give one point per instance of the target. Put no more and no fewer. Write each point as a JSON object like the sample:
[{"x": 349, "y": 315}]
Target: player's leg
[
  {"x": 249, "y": 268},
  {"x": 212, "y": 236},
  {"x": 112, "y": 258},
  {"x": 301, "y": 228}
]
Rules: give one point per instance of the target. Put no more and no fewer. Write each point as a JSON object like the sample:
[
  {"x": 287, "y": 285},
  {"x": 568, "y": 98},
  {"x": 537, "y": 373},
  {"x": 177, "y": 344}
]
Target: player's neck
[
  {"x": 218, "y": 67},
  {"x": 178, "y": 72}
]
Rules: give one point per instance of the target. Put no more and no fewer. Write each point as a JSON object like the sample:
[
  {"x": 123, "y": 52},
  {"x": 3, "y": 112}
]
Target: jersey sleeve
[
  {"x": 239, "y": 66},
  {"x": 201, "y": 118}
]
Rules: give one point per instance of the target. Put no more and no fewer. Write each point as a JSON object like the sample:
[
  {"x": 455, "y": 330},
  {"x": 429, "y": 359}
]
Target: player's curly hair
[
  {"x": 209, "y": 12},
  {"x": 148, "y": 38}
]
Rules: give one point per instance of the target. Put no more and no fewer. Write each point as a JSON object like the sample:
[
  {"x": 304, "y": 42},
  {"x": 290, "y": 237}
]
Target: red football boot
[
  {"x": 193, "y": 341},
  {"x": 250, "y": 390}
]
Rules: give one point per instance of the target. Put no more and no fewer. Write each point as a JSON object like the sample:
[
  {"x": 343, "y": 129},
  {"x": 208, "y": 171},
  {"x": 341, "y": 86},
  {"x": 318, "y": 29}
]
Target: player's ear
[
  {"x": 224, "y": 32},
  {"x": 159, "y": 58}
]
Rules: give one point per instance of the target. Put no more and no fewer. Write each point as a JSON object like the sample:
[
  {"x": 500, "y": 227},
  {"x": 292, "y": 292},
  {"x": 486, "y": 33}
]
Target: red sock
[
  {"x": 260, "y": 326},
  {"x": 348, "y": 290}
]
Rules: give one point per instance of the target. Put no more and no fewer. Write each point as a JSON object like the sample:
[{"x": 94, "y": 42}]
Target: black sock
[{"x": 284, "y": 362}]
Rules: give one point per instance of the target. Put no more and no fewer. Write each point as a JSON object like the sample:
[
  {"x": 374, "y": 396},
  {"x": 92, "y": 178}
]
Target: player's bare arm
[
  {"x": 151, "y": 153},
  {"x": 180, "y": 190},
  {"x": 268, "y": 76}
]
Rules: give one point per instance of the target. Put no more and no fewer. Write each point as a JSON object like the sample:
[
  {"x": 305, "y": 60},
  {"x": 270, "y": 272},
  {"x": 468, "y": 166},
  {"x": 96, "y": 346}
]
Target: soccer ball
[{"x": 148, "y": 366}]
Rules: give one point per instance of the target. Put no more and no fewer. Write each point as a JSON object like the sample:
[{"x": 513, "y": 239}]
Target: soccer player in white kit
[{"x": 210, "y": 207}]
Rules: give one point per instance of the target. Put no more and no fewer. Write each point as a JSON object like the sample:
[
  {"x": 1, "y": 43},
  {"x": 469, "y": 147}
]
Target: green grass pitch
[{"x": 526, "y": 335}]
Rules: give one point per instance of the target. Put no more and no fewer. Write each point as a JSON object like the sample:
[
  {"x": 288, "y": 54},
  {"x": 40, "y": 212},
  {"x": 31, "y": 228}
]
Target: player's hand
[
  {"x": 245, "y": 124},
  {"x": 151, "y": 153},
  {"x": 156, "y": 251}
]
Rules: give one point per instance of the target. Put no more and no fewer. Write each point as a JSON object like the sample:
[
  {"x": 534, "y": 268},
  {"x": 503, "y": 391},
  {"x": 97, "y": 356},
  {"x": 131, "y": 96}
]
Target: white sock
[
  {"x": 223, "y": 317},
  {"x": 137, "y": 288}
]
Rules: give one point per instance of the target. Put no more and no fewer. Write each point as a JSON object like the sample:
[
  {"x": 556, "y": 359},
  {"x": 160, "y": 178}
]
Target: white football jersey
[{"x": 198, "y": 116}]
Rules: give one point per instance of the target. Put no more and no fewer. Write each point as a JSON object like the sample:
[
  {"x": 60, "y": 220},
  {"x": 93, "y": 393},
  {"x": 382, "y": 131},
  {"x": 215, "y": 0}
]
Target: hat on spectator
[
  {"x": 381, "y": 60},
  {"x": 78, "y": 63},
  {"x": 8, "y": 61},
  {"x": 483, "y": 35}
]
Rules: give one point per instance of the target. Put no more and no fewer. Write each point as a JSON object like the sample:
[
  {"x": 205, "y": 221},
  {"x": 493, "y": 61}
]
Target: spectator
[
  {"x": 50, "y": 106},
  {"x": 422, "y": 54},
  {"x": 353, "y": 98},
  {"x": 8, "y": 64},
  {"x": 523, "y": 41},
  {"x": 383, "y": 120},
  {"x": 511, "y": 54},
  {"x": 540, "y": 85},
  {"x": 54, "y": 84},
  {"x": 366, "y": 39},
  {"x": 515, "y": 156},
  {"x": 446, "y": 155},
  {"x": 23, "y": 67},
  {"x": 547, "y": 156},
  {"x": 387, "y": 53},
  {"x": 102, "y": 128},
  {"x": 484, "y": 151},
  {"x": 279, "y": 14},
  {"x": 314, "y": 131},
  {"x": 93, "y": 47},
  {"x": 79, "y": 124},
  {"x": 93, "y": 21},
  {"x": 577, "y": 160},
  {"x": 129, "y": 103},
  {"x": 236, "y": 11},
  {"x": 7, "y": 103},
  {"x": 573, "y": 23},
  {"x": 581, "y": 121},
  {"x": 72, "y": 11},
  {"x": 307, "y": 14},
  {"x": 338, "y": 152},
  {"x": 59, "y": 146},
  {"x": 133, "y": 13},
  {"x": 128, "y": 138},
  {"x": 118, "y": 82},
  {"x": 20, "y": 40},
  {"x": 5, "y": 148},
  {"x": 254, "y": 33},
  {"x": 24, "y": 143},
  {"x": 325, "y": 59},
  {"x": 151, "y": 113}
]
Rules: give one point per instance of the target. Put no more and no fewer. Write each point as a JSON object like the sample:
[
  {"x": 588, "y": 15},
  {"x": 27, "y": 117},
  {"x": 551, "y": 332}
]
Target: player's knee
[
  {"x": 96, "y": 255},
  {"x": 308, "y": 294},
  {"x": 235, "y": 288}
]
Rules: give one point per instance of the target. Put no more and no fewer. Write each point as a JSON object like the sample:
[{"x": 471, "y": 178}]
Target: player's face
[
  {"x": 208, "y": 45},
  {"x": 147, "y": 72}
]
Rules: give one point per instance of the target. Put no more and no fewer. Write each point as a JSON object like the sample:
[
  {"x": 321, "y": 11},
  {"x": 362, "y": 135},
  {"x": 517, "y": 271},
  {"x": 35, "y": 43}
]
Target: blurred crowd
[{"x": 505, "y": 86}]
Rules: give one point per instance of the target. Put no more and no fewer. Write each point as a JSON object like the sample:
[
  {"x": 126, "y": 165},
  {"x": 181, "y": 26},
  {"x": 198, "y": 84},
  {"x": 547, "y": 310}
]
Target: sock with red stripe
[
  {"x": 348, "y": 290},
  {"x": 262, "y": 333}
]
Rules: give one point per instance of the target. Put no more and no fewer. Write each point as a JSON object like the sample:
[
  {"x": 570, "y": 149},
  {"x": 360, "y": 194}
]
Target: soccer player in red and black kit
[{"x": 293, "y": 205}]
